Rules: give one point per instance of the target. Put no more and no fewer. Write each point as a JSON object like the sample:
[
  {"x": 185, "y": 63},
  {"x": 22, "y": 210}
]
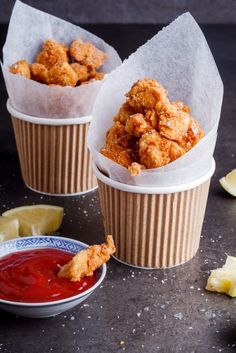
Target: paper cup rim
[
  {"x": 155, "y": 190},
  {"x": 47, "y": 121}
]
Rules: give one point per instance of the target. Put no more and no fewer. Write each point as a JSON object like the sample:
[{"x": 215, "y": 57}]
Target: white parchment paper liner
[
  {"x": 27, "y": 30},
  {"x": 180, "y": 59}
]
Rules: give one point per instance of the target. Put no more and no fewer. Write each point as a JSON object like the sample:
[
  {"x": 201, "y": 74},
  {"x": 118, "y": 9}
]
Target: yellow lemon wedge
[
  {"x": 9, "y": 229},
  {"x": 228, "y": 182},
  {"x": 36, "y": 219},
  {"x": 223, "y": 280}
]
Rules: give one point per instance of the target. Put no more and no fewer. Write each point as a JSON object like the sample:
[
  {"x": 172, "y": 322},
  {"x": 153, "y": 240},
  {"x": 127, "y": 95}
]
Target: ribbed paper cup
[
  {"x": 154, "y": 227},
  {"x": 53, "y": 153}
]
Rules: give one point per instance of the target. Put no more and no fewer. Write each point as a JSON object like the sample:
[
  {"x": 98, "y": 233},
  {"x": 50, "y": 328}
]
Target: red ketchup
[{"x": 31, "y": 276}]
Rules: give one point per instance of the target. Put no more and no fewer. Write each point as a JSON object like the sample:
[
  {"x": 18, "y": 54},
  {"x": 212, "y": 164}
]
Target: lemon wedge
[
  {"x": 229, "y": 182},
  {"x": 223, "y": 280},
  {"x": 9, "y": 229},
  {"x": 36, "y": 219}
]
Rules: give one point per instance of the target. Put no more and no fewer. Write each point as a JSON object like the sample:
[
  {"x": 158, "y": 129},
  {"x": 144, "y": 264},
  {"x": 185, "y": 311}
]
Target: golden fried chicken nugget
[
  {"x": 62, "y": 74},
  {"x": 52, "y": 53},
  {"x": 117, "y": 135},
  {"x": 173, "y": 122},
  {"x": 120, "y": 146},
  {"x": 193, "y": 135},
  {"x": 39, "y": 73},
  {"x": 88, "y": 260},
  {"x": 21, "y": 67},
  {"x": 156, "y": 151},
  {"x": 145, "y": 94},
  {"x": 87, "y": 54},
  {"x": 124, "y": 113},
  {"x": 81, "y": 71},
  {"x": 136, "y": 125}
]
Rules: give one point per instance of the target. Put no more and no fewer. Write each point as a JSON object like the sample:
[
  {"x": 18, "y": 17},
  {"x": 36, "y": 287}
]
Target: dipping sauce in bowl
[{"x": 31, "y": 276}]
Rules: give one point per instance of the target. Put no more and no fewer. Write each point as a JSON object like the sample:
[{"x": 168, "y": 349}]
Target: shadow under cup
[
  {"x": 154, "y": 227},
  {"x": 53, "y": 153}
]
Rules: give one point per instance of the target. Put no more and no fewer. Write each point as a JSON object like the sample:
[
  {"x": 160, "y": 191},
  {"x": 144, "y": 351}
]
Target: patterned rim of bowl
[{"x": 53, "y": 242}]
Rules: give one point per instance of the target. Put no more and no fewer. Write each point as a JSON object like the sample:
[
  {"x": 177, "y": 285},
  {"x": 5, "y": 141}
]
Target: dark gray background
[{"x": 130, "y": 11}]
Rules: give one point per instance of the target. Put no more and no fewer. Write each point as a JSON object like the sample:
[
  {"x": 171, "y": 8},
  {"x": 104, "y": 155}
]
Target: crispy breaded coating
[
  {"x": 21, "y": 67},
  {"x": 117, "y": 134},
  {"x": 52, "y": 53},
  {"x": 152, "y": 117},
  {"x": 88, "y": 260},
  {"x": 62, "y": 74},
  {"x": 119, "y": 154},
  {"x": 120, "y": 146},
  {"x": 87, "y": 54},
  {"x": 93, "y": 76},
  {"x": 193, "y": 135},
  {"x": 145, "y": 94},
  {"x": 124, "y": 113},
  {"x": 156, "y": 151},
  {"x": 81, "y": 71},
  {"x": 135, "y": 168},
  {"x": 96, "y": 75},
  {"x": 181, "y": 106},
  {"x": 173, "y": 122},
  {"x": 39, "y": 73},
  {"x": 136, "y": 125}
]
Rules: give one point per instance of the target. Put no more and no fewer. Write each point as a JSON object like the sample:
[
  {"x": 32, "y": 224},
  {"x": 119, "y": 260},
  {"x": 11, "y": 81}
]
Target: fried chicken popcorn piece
[
  {"x": 193, "y": 135},
  {"x": 62, "y": 74},
  {"x": 117, "y": 135},
  {"x": 119, "y": 146},
  {"x": 87, "y": 54},
  {"x": 124, "y": 113},
  {"x": 52, "y": 53},
  {"x": 93, "y": 76},
  {"x": 39, "y": 73},
  {"x": 156, "y": 151},
  {"x": 145, "y": 94},
  {"x": 137, "y": 125},
  {"x": 88, "y": 260},
  {"x": 173, "y": 122},
  {"x": 21, "y": 67},
  {"x": 81, "y": 71}
]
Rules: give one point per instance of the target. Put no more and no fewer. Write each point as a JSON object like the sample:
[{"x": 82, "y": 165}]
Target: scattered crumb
[{"x": 178, "y": 316}]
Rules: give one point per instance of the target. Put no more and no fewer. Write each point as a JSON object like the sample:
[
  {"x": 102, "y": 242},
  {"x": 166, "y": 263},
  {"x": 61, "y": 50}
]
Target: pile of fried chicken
[
  {"x": 58, "y": 64},
  {"x": 149, "y": 131}
]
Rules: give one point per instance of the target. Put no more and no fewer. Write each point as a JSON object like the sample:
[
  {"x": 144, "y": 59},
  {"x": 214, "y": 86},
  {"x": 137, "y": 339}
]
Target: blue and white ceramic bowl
[{"x": 46, "y": 309}]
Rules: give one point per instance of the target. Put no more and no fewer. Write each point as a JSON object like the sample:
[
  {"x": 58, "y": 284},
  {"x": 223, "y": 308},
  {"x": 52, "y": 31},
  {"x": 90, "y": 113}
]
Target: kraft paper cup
[
  {"x": 154, "y": 227},
  {"x": 53, "y": 153}
]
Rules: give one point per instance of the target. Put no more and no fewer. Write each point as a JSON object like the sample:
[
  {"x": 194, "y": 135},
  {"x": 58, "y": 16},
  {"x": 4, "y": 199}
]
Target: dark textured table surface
[{"x": 137, "y": 311}]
